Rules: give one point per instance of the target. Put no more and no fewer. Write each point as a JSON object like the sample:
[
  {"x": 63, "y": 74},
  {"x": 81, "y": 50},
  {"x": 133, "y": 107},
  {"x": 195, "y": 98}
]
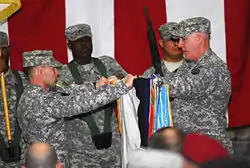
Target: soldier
[
  {"x": 14, "y": 86},
  {"x": 95, "y": 139},
  {"x": 42, "y": 114},
  {"x": 173, "y": 57},
  {"x": 201, "y": 91}
]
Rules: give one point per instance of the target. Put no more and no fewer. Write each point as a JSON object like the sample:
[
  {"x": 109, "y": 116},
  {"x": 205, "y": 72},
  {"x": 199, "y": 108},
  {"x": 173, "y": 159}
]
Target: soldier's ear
[{"x": 161, "y": 42}]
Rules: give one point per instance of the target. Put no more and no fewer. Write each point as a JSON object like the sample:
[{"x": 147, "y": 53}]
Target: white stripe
[
  {"x": 211, "y": 9},
  {"x": 99, "y": 15}
]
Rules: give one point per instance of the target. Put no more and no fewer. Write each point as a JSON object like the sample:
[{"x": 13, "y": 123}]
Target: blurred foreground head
[
  {"x": 41, "y": 155},
  {"x": 167, "y": 138}
]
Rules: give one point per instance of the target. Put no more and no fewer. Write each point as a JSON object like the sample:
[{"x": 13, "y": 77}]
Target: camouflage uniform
[
  {"x": 42, "y": 114},
  {"x": 201, "y": 91},
  {"x": 83, "y": 151},
  {"x": 10, "y": 85},
  {"x": 168, "y": 31}
]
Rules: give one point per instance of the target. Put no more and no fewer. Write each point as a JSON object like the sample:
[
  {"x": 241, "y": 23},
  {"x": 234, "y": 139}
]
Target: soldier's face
[
  {"x": 171, "y": 48},
  {"x": 6, "y": 54},
  {"x": 189, "y": 46},
  {"x": 49, "y": 75},
  {"x": 81, "y": 48},
  {"x": 3, "y": 65}
]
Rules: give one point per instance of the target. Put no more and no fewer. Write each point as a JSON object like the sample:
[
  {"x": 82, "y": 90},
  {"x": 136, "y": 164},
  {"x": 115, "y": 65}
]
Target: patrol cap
[
  {"x": 75, "y": 32},
  {"x": 169, "y": 31},
  {"x": 38, "y": 58},
  {"x": 194, "y": 25},
  {"x": 4, "y": 42}
]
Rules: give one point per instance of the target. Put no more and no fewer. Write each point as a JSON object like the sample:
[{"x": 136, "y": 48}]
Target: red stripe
[
  {"x": 237, "y": 19},
  {"x": 131, "y": 43},
  {"x": 39, "y": 25}
]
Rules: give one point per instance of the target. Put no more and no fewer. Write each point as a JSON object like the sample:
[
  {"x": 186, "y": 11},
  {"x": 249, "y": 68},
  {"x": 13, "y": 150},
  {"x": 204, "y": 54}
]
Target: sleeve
[
  {"x": 28, "y": 112},
  {"x": 192, "y": 85},
  {"x": 113, "y": 67},
  {"x": 148, "y": 72},
  {"x": 86, "y": 86},
  {"x": 79, "y": 102}
]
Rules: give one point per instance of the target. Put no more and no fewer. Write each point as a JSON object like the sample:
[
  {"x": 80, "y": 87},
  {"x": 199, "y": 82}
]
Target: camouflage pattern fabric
[
  {"x": 42, "y": 114},
  {"x": 169, "y": 31},
  {"x": 10, "y": 84},
  {"x": 4, "y": 42},
  {"x": 83, "y": 151},
  {"x": 193, "y": 25},
  {"x": 38, "y": 58},
  {"x": 78, "y": 31},
  {"x": 90, "y": 72},
  {"x": 201, "y": 94}
]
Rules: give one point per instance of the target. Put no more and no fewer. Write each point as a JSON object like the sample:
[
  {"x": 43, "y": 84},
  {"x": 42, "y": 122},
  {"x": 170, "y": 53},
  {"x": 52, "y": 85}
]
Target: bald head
[
  {"x": 41, "y": 155},
  {"x": 167, "y": 138}
]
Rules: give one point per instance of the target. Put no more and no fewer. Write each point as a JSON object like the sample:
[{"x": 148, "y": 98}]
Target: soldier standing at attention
[
  {"x": 42, "y": 114},
  {"x": 95, "y": 139}
]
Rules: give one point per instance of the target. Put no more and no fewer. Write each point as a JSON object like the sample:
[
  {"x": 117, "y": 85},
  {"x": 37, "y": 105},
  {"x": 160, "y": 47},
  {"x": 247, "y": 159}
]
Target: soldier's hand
[
  {"x": 101, "y": 82},
  {"x": 129, "y": 79},
  {"x": 112, "y": 78}
]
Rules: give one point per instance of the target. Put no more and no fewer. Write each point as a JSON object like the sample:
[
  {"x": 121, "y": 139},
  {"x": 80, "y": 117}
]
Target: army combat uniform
[
  {"x": 95, "y": 139},
  {"x": 201, "y": 91},
  {"x": 43, "y": 115},
  {"x": 14, "y": 82}
]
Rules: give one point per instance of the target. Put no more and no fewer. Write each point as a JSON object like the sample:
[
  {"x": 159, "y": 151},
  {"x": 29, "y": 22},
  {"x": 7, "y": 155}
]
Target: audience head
[
  {"x": 167, "y": 138},
  {"x": 41, "y": 155}
]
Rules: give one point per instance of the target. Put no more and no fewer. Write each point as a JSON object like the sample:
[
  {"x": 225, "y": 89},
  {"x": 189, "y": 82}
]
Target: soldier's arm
[
  {"x": 148, "y": 72},
  {"x": 192, "y": 85},
  {"x": 78, "y": 102},
  {"x": 113, "y": 67}
]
